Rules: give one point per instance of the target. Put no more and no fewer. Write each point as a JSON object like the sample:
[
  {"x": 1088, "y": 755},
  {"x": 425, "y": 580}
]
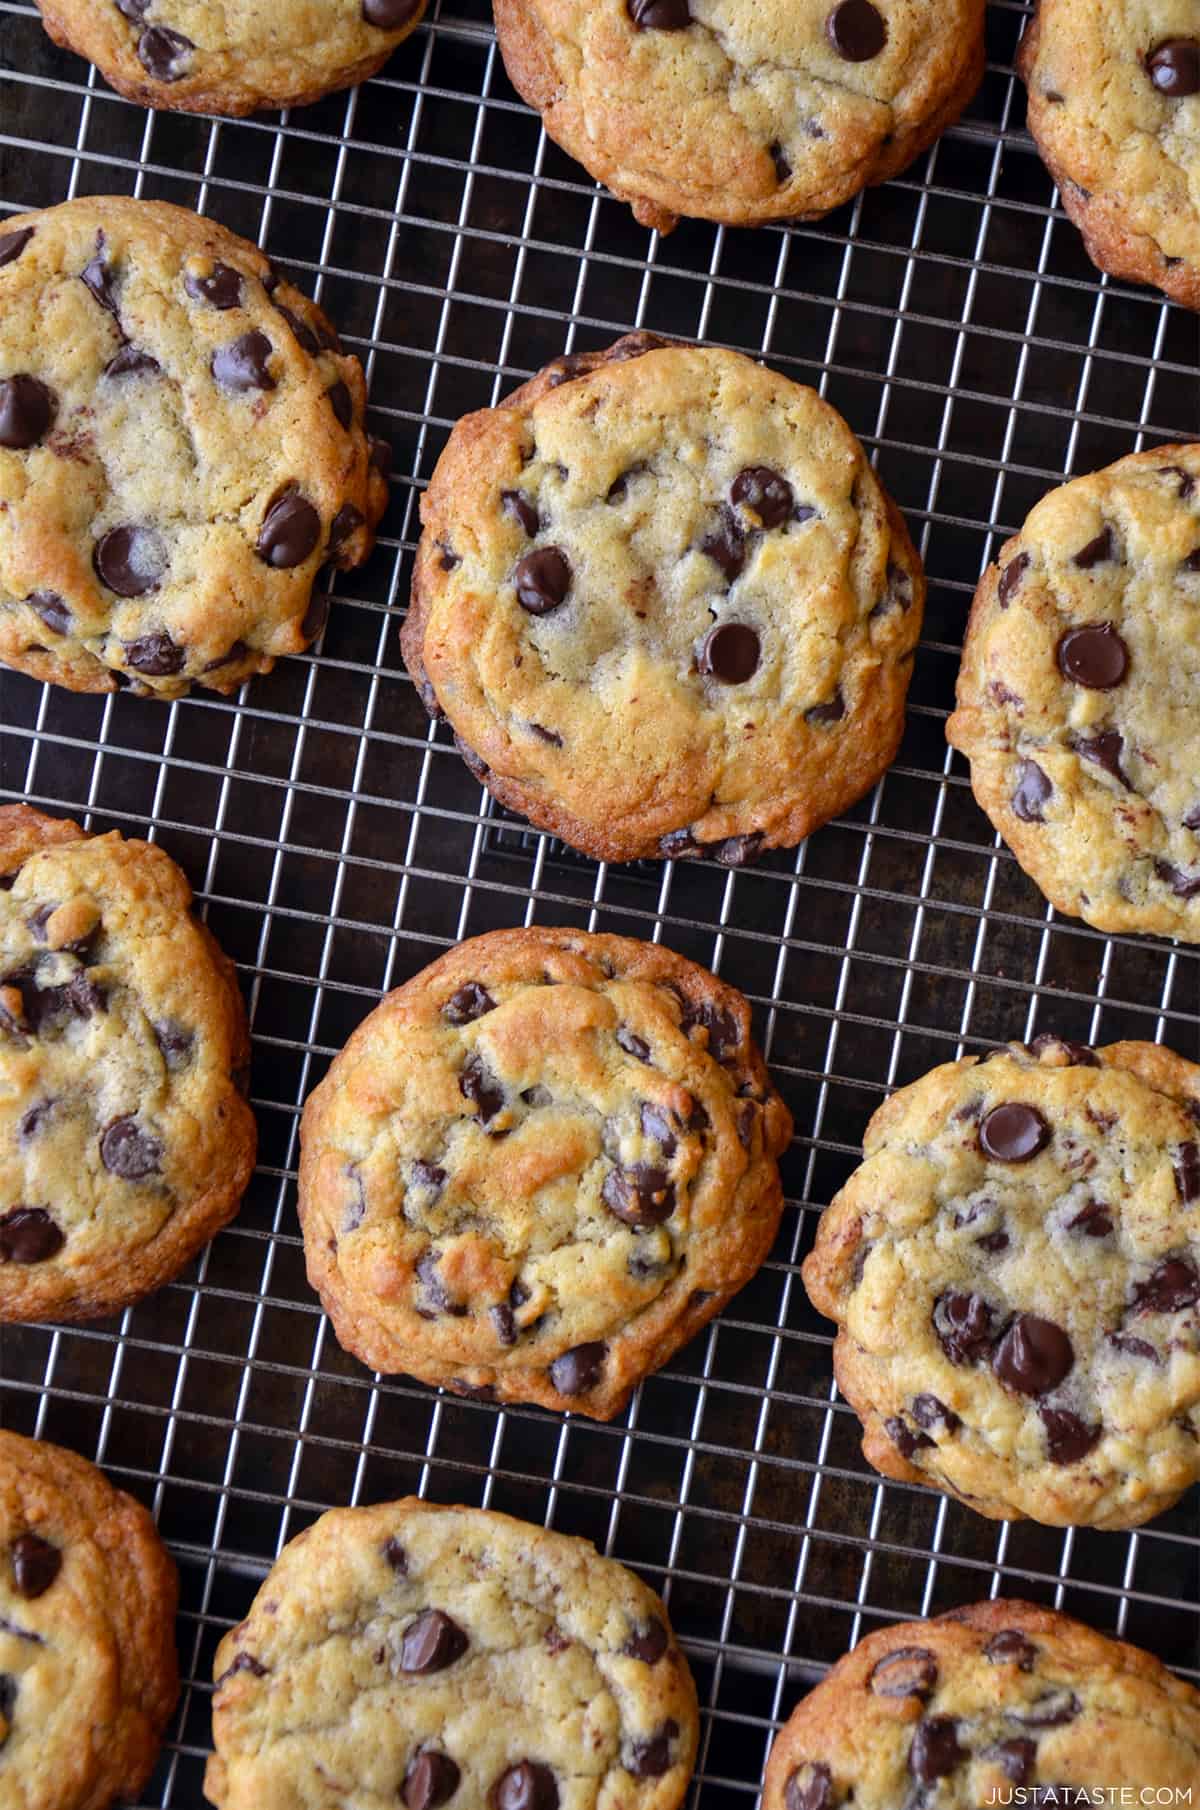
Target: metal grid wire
[{"x": 338, "y": 843}]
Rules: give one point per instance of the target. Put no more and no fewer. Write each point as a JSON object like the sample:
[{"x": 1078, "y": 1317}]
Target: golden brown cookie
[
  {"x": 125, "y": 1143},
  {"x": 540, "y": 1167},
  {"x": 88, "y": 1675},
  {"x": 665, "y": 604}
]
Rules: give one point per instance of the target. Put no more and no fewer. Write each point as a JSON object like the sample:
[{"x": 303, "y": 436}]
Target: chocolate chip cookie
[
  {"x": 195, "y": 56},
  {"x": 125, "y": 1143},
  {"x": 665, "y": 605},
  {"x": 963, "y": 1709},
  {"x": 1015, "y": 1274},
  {"x": 1114, "y": 104},
  {"x": 419, "y": 1655},
  {"x": 1078, "y": 695},
  {"x": 540, "y": 1167},
  {"x": 88, "y": 1674},
  {"x": 743, "y": 111},
  {"x": 181, "y": 449}
]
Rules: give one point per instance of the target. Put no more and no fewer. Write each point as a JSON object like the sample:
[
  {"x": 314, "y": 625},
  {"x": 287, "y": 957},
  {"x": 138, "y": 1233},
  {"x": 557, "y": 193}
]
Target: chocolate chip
[
  {"x": 993, "y": 1241},
  {"x": 155, "y": 655},
  {"x": 764, "y": 491},
  {"x": 526, "y": 1786},
  {"x": 245, "y": 1662},
  {"x": 379, "y": 455},
  {"x": 390, "y": 15},
  {"x": 778, "y": 156},
  {"x": 1187, "y": 482},
  {"x": 241, "y": 365},
  {"x": 632, "y": 1044},
  {"x": 341, "y": 402},
  {"x": 427, "y": 1175},
  {"x": 131, "y": 561},
  {"x": 929, "y": 1412},
  {"x": 1103, "y": 749},
  {"x": 656, "y": 1125},
  {"x": 856, "y": 30},
  {"x": 1184, "y": 886},
  {"x": 647, "y": 1643},
  {"x": 130, "y": 361},
  {"x": 432, "y": 1778},
  {"x": 129, "y": 1152},
  {"x": 935, "y": 1752},
  {"x": 519, "y": 506},
  {"x": 906, "y": 1441},
  {"x": 220, "y": 288},
  {"x": 98, "y": 276},
  {"x": 175, "y": 1042},
  {"x": 315, "y": 616},
  {"x": 578, "y": 1370},
  {"x": 469, "y": 1003},
  {"x": 651, "y": 1758},
  {"x": 1010, "y": 579},
  {"x": 679, "y": 845},
  {"x": 726, "y": 544},
  {"x": 35, "y": 1565},
  {"x": 542, "y": 579},
  {"x": 659, "y": 15},
  {"x": 730, "y": 653},
  {"x": 346, "y": 524},
  {"x": 1081, "y": 1054},
  {"x": 1013, "y": 1133},
  {"x": 430, "y": 1277},
  {"x": 1187, "y": 1173},
  {"x": 27, "y": 408},
  {"x": 1068, "y": 1439},
  {"x": 963, "y": 1324},
  {"x": 431, "y": 1643},
  {"x": 1016, "y": 1759},
  {"x": 165, "y": 54},
  {"x": 302, "y": 333},
  {"x": 1129, "y": 1346},
  {"x": 747, "y": 1112},
  {"x": 905, "y": 1672},
  {"x": 1095, "y": 656},
  {"x": 1033, "y": 1356},
  {"x": 1094, "y": 1220},
  {"x": 809, "y": 1787},
  {"x": 640, "y": 1196},
  {"x": 1174, "y": 67},
  {"x": 1054, "y": 1709},
  {"x": 504, "y": 1321},
  {"x": 1032, "y": 790},
  {"x": 31, "y": 1122},
  {"x": 28, "y": 1235},
  {"x": 13, "y": 244},
  {"x": 1010, "y": 1647},
  {"x": 724, "y": 1037},
  {"x": 449, "y": 558},
  {"x": 477, "y": 1084},
  {"x": 53, "y": 611},
  {"x": 395, "y": 1556},
  {"x": 1098, "y": 552},
  {"x": 1172, "y": 1286},
  {"x": 831, "y": 712},
  {"x": 290, "y": 530}
]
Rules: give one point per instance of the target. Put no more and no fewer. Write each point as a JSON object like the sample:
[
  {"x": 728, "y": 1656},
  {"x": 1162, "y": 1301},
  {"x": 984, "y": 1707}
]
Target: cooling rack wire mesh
[{"x": 338, "y": 843}]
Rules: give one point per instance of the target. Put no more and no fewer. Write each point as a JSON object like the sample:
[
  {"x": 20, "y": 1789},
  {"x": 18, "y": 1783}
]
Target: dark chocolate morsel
[
  {"x": 1104, "y": 749},
  {"x": 726, "y": 544},
  {"x": 579, "y": 1370},
  {"x": 738, "y": 851},
  {"x": 1080, "y": 1054},
  {"x": 679, "y": 845},
  {"x": 1053, "y": 1709},
  {"x": 477, "y": 1084},
  {"x": 542, "y": 580},
  {"x": 1184, "y": 886},
  {"x": 431, "y": 1643},
  {"x": 647, "y": 1643},
  {"x": 245, "y": 1662},
  {"x": 1034, "y": 1355},
  {"x": 346, "y": 524},
  {"x": 430, "y": 1277},
  {"x": 220, "y": 288},
  {"x": 764, "y": 491},
  {"x": 963, "y": 1324},
  {"x": 35, "y": 1565},
  {"x": 651, "y": 1758},
  {"x": 1174, "y": 67},
  {"x": 1129, "y": 1346},
  {"x": 27, "y": 408},
  {"x": 1171, "y": 1286},
  {"x": 432, "y": 1778},
  {"x": 522, "y": 510},
  {"x": 1187, "y": 483},
  {"x": 525, "y": 1786},
  {"x": 810, "y": 1787},
  {"x": 13, "y": 244},
  {"x": 632, "y": 1044},
  {"x": 97, "y": 275},
  {"x": 550, "y": 736},
  {"x": 1095, "y": 657},
  {"x": 857, "y": 31},
  {"x": 639, "y": 1196},
  {"x": 905, "y": 1672},
  {"x": 1068, "y": 1439},
  {"x": 130, "y": 361},
  {"x": 1011, "y": 1647},
  {"x": 176, "y": 1043},
  {"x": 1032, "y": 789},
  {"x": 165, "y": 54},
  {"x": 730, "y": 653},
  {"x": 1013, "y": 1132},
  {"x": 935, "y": 1752},
  {"x": 341, "y": 402},
  {"x": 471, "y": 1001},
  {"x": 1098, "y": 552},
  {"x": 395, "y": 1555},
  {"x": 52, "y": 609},
  {"x": 659, "y": 15},
  {"x": 155, "y": 655},
  {"x": 427, "y": 1175},
  {"x": 1011, "y": 577},
  {"x": 778, "y": 156},
  {"x": 241, "y": 365},
  {"x": 1016, "y": 1759},
  {"x": 830, "y": 712},
  {"x": 129, "y": 1152},
  {"x": 130, "y": 560},
  {"x": 390, "y": 15},
  {"x": 907, "y": 1441},
  {"x": 1094, "y": 1220},
  {"x": 656, "y": 1125},
  {"x": 929, "y": 1412},
  {"x": 380, "y": 455},
  {"x": 1187, "y": 1173},
  {"x": 28, "y": 1235},
  {"x": 290, "y": 530},
  {"x": 503, "y": 1320},
  {"x": 302, "y": 333}
]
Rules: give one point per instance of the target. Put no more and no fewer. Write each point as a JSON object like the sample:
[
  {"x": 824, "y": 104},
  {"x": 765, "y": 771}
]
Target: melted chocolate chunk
[
  {"x": 730, "y": 653},
  {"x": 395, "y": 1556},
  {"x": 632, "y": 1044},
  {"x": 130, "y": 560},
  {"x": 1172, "y": 1286},
  {"x": 647, "y": 1643},
  {"x": 28, "y": 1235},
  {"x": 1034, "y": 1355},
  {"x": 526, "y": 1786},
  {"x": 129, "y": 1152},
  {"x": 430, "y": 1277},
  {"x": 431, "y": 1643},
  {"x": 155, "y": 655},
  {"x": 341, "y": 402},
  {"x": 130, "y": 362},
  {"x": 1094, "y": 1220},
  {"x": 1032, "y": 790},
  {"x": 1013, "y": 1133},
  {"x": 651, "y": 1758},
  {"x": 906, "y": 1672},
  {"x": 929, "y": 1412},
  {"x": 345, "y": 525},
  {"x": 639, "y": 1196},
  {"x": 432, "y": 1778},
  {"x": 906, "y": 1441},
  {"x": 477, "y": 1084},
  {"x": 35, "y": 1565},
  {"x": 1174, "y": 67},
  {"x": 764, "y": 491},
  {"x": 1187, "y": 1173},
  {"x": 1184, "y": 886},
  {"x": 1010, "y": 1647},
  {"x": 579, "y": 1370},
  {"x": 1098, "y": 552},
  {"x": 1187, "y": 483},
  {"x": 290, "y": 531},
  {"x": 1016, "y": 1759},
  {"x": 542, "y": 580},
  {"x": 470, "y": 1002},
  {"x": 245, "y": 1662},
  {"x": 220, "y": 288},
  {"x": 165, "y": 54},
  {"x": 176, "y": 1043},
  {"x": 831, "y": 712},
  {"x": 390, "y": 15},
  {"x": 1103, "y": 750},
  {"x": 13, "y": 244},
  {"x": 659, "y": 15},
  {"x": 963, "y": 1324},
  {"x": 778, "y": 156},
  {"x": 27, "y": 409},
  {"x": 810, "y": 1787},
  {"x": 738, "y": 851},
  {"x": 1068, "y": 1439},
  {"x": 302, "y": 333},
  {"x": 1095, "y": 657},
  {"x": 32, "y": 1121},
  {"x": 504, "y": 1321},
  {"x": 98, "y": 276},
  {"x": 1010, "y": 579},
  {"x": 1052, "y": 1710},
  {"x": 656, "y": 1125},
  {"x": 53, "y": 611},
  {"x": 1081, "y": 1054},
  {"x": 726, "y": 544},
  {"x": 380, "y": 456},
  {"x": 241, "y": 365},
  {"x": 428, "y": 1175},
  {"x": 522, "y": 510},
  {"x": 857, "y": 31},
  {"x": 233, "y": 656},
  {"x": 935, "y": 1752},
  {"x": 1129, "y": 1346}
]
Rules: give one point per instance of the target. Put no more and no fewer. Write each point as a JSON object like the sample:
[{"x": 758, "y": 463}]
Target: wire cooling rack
[{"x": 338, "y": 844}]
